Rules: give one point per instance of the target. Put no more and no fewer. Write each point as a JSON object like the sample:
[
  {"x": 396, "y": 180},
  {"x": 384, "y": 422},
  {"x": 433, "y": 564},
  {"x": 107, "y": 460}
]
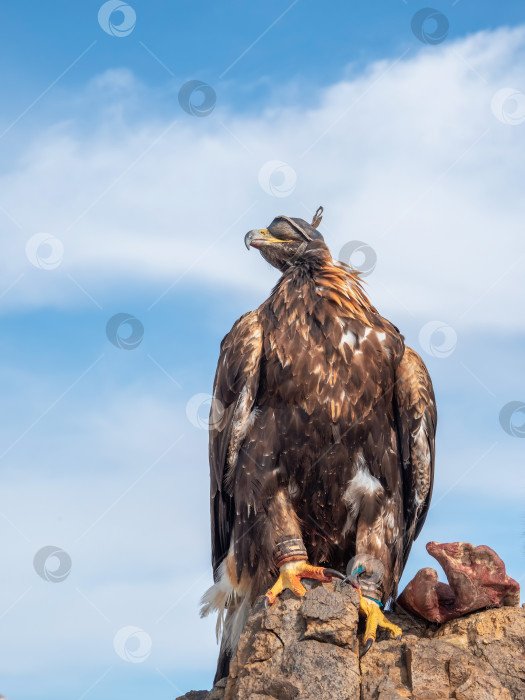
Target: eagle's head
[{"x": 286, "y": 240}]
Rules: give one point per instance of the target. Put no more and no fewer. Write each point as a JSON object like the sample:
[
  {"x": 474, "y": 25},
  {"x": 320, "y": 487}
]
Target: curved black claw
[
  {"x": 367, "y": 648},
  {"x": 334, "y": 573}
]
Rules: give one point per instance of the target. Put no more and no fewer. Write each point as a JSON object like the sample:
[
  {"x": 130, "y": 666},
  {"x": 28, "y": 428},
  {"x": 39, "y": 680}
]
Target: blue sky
[{"x": 115, "y": 200}]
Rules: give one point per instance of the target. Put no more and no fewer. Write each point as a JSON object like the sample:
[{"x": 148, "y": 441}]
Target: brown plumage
[{"x": 322, "y": 425}]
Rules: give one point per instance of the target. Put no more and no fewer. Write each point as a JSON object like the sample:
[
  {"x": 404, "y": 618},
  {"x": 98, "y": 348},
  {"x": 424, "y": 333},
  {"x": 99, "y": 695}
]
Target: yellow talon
[
  {"x": 374, "y": 619},
  {"x": 290, "y": 577}
]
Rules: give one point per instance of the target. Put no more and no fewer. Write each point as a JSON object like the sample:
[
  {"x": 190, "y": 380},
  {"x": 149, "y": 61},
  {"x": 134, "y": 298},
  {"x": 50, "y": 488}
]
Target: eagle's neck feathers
[{"x": 318, "y": 278}]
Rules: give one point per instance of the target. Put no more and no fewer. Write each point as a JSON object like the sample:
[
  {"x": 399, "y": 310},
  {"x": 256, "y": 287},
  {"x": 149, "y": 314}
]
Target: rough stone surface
[
  {"x": 476, "y": 579},
  {"x": 306, "y": 649},
  {"x": 496, "y": 638},
  {"x": 300, "y": 649}
]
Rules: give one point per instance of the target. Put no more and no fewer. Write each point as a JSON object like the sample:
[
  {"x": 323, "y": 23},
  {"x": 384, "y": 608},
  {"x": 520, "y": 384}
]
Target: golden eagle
[{"x": 322, "y": 432}]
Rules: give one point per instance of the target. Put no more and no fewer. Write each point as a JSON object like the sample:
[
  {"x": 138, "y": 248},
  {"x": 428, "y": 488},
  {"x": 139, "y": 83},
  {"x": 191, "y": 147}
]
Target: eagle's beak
[{"x": 254, "y": 236}]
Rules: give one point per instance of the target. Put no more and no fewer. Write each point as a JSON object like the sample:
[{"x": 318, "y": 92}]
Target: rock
[
  {"x": 476, "y": 579},
  {"x": 496, "y": 637},
  {"x": 300, "y": 648},
  {"x": 308, "y": 649},
  {"x": 217, "y": 692}
]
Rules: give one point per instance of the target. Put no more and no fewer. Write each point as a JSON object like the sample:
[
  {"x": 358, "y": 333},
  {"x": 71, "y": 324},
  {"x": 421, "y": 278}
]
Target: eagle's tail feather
[
  {"x": 233, "y": 610},
  {"x": 217, "y": 598},
  {"x": 236, "y": 616},
  {"x": 234, "y": 623}
]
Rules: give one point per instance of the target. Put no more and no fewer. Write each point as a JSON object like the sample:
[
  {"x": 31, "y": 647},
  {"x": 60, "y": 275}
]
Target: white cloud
[{"x": 408, "y": 158}]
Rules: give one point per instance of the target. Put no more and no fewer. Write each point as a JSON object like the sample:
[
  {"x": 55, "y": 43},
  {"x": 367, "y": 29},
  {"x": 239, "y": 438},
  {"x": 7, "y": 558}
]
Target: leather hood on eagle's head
[
  {"x": 281, "y": 224},
  {"x": 286, "y": 240}
]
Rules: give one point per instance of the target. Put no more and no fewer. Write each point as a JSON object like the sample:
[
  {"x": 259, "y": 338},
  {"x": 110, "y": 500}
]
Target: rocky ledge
[{"x": 308, "y": 649}]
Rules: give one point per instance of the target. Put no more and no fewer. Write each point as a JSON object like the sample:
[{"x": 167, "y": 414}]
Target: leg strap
[{"x": 289, "y": 548}]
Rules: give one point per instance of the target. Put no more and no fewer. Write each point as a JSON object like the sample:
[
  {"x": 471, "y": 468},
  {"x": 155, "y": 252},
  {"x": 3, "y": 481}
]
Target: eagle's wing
[
  {"x": 416, "y": 420},
  {"x": 234, "y": 393}
]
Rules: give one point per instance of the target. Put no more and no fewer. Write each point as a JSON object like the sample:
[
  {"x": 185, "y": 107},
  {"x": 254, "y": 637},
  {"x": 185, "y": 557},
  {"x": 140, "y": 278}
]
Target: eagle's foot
[
  {"x": 375, "y": 618},
  {"x": 290, "y": 577}
]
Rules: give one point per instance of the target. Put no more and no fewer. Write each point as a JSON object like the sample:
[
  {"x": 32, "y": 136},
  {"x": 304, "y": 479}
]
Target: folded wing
[
  {"x": 416, "y": 421},
  {"x": 234, "y": 393}
]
